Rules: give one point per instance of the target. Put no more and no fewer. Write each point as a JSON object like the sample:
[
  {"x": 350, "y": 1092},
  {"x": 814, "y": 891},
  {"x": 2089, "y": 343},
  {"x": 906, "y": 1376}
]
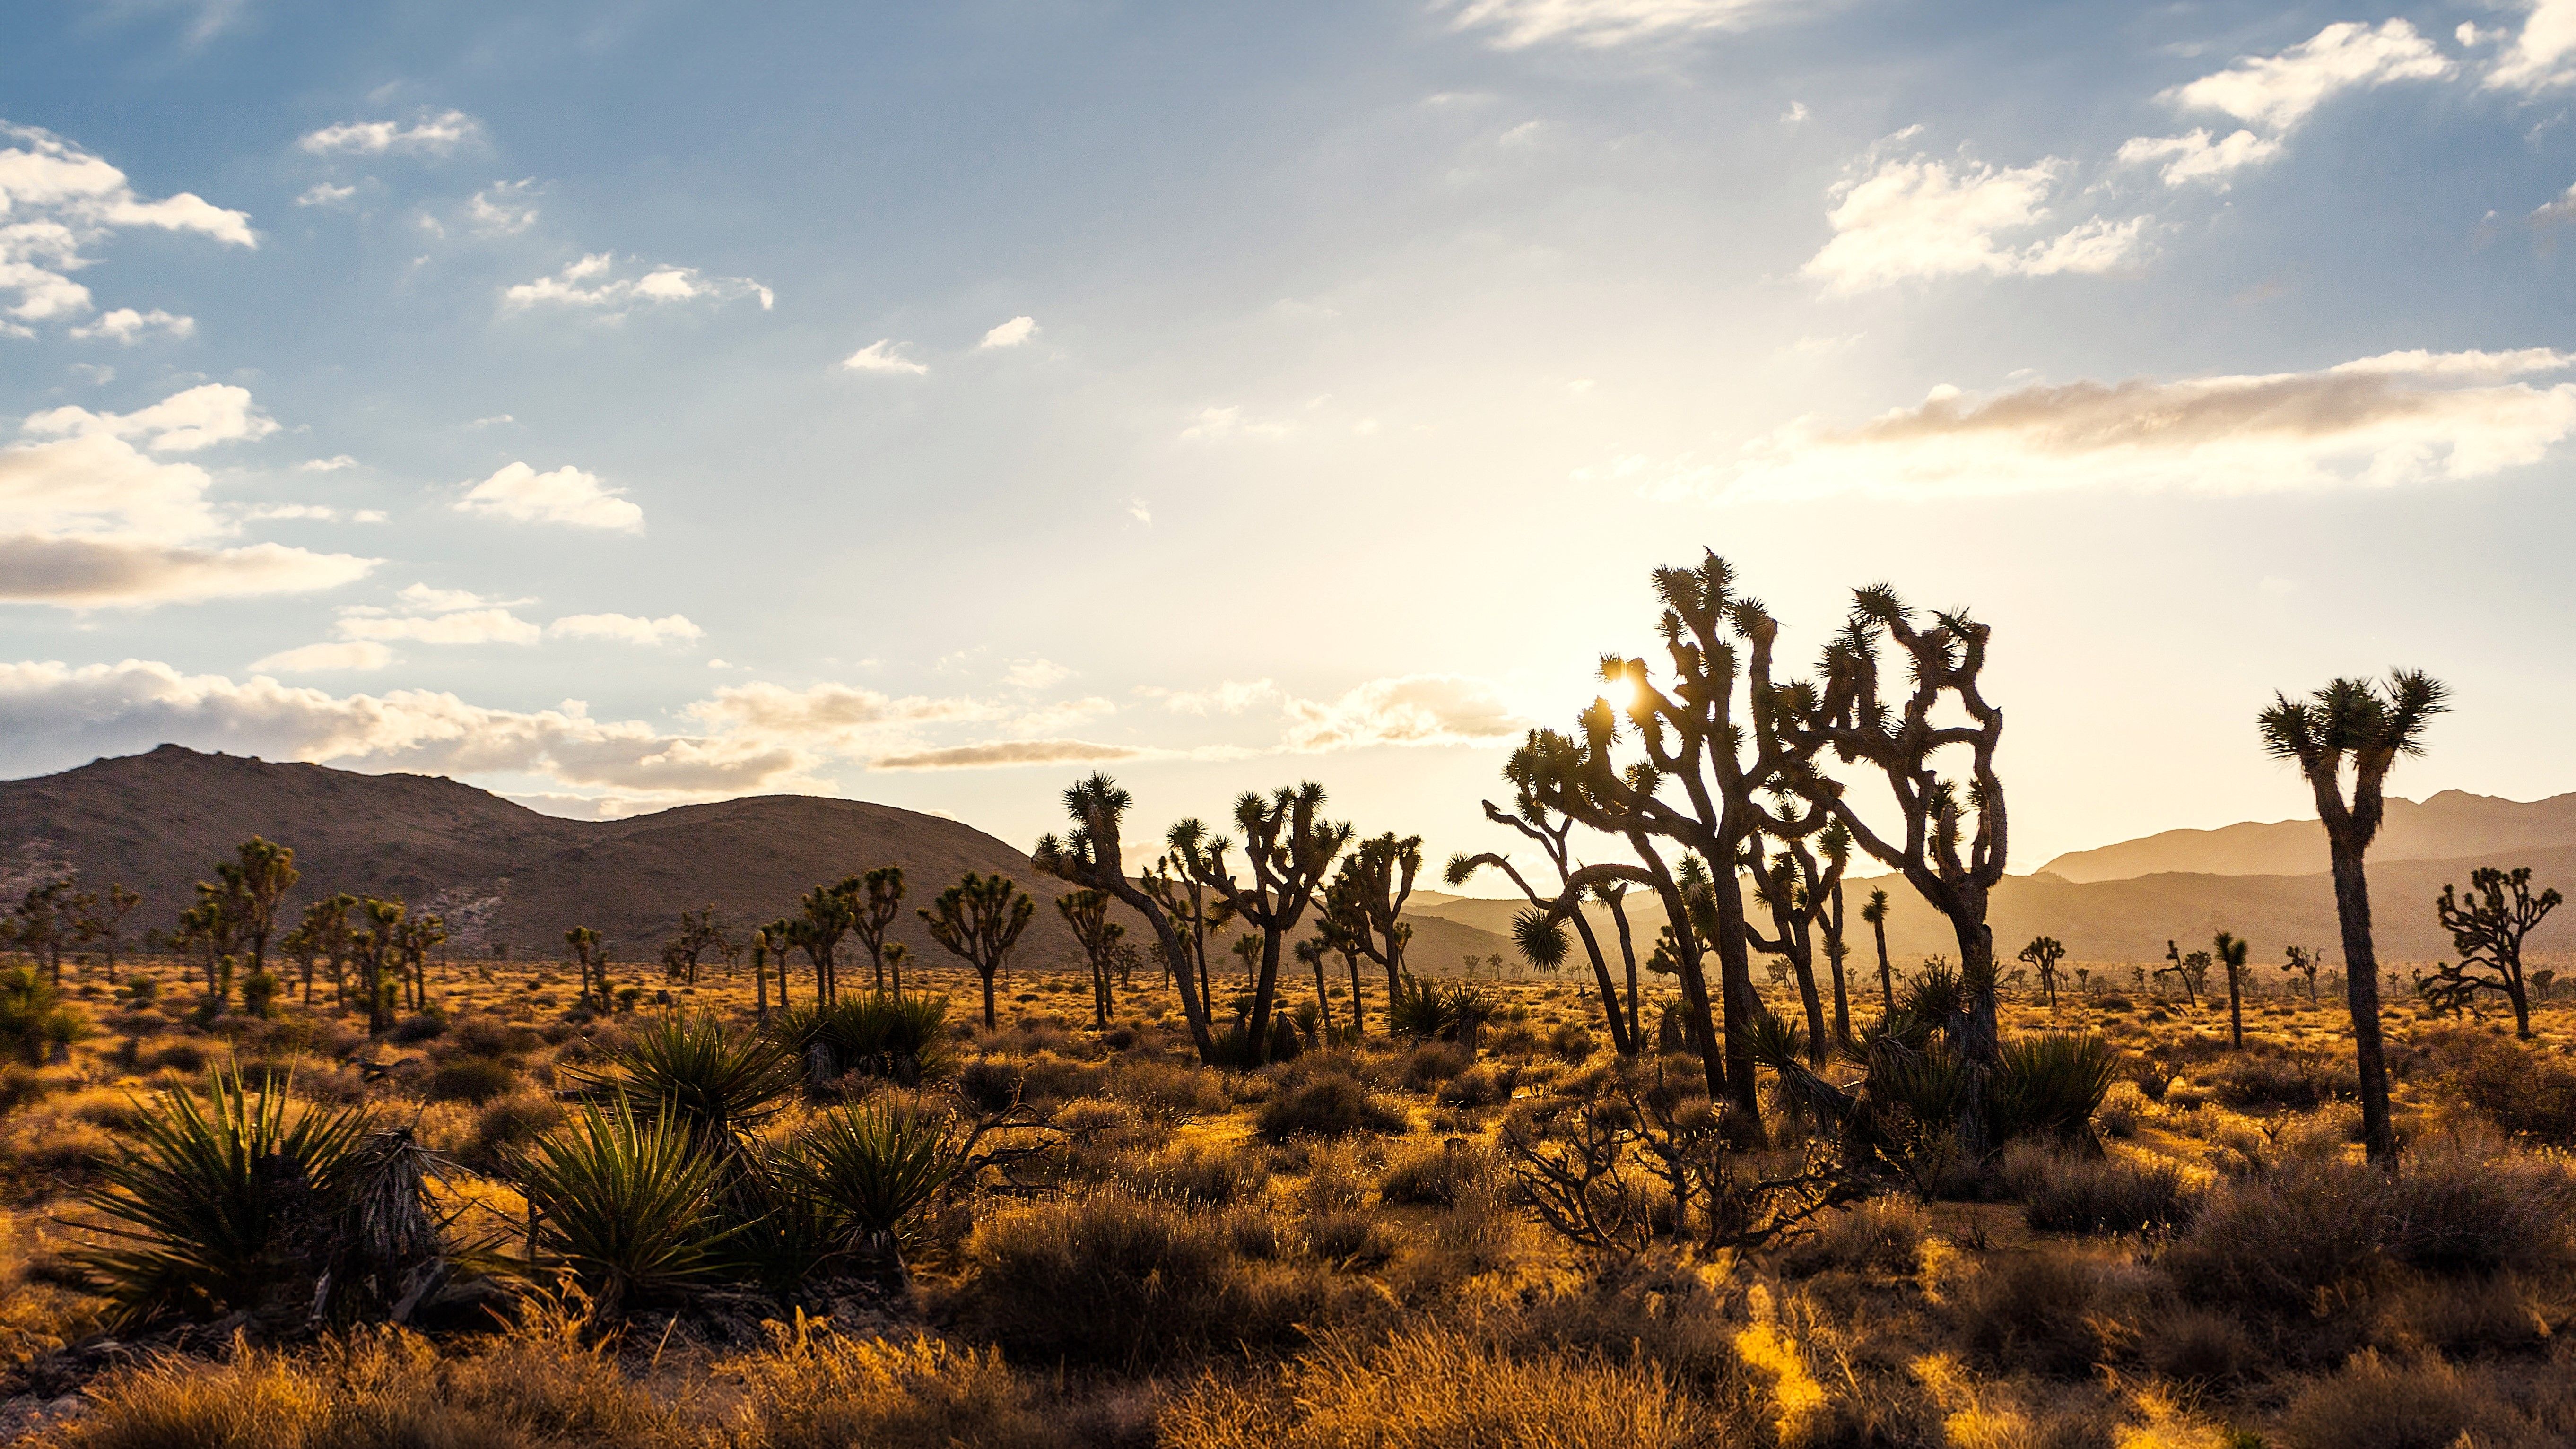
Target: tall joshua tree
[
  {"x": 979, "y": 920},
  {"x": 1197, "y": 914},
  {"x": 2488, "y": 932},
  {"x": 2043, "y": 953},
  {"x": 782, "y": 935},
  {"x": 2355, "y": 725},
  {"x": 1834, "y": 844},
  {"x": 2180, "y": 970},
  {"x": 1549, "y": 831},
  {"x": 1712, "y": 748},
  {"x": 1288, "y": 846},
  {"x": 1089, "y": 855},
  {"x": 378, "y": 946},
  {"x": 1950, "y": 861},
  {"x": 2230, "y": 953},
  {"x": 43, "y": 919},
  {"x": 829, "y": 914},
  {"x": 102, "y": 919},
  {"x": 259, "y": 880},
  {"x": 875, "y": 900},
  {"x": 1087, "y": 912},
  {"x": 1792, "y": 890},
  {"x": 1876, "y": 914},
  {"x": 1363, "y": 913},
  {"x": 581, "y": 943}
]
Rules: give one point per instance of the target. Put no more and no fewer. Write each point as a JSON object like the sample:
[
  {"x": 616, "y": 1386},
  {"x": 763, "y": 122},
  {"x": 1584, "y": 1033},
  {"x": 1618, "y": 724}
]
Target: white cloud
[
  {"x": 2403, "y": 418},
  {"x": 2544, "y": 53},
  {"x": 1006, "y": 752},
  {"x": 320, "y": 658},
  {"x": 669, "y": 629},
  {"x": 332, "y": 464},
  {"x": 588, "y": 283},
  {"x": 310, "y": 512},
  {"x": 881, "y": 356},
  {"x": 1011, "y": 333},
  {"x": 323, "y": 193},
  {"x": 1139, "y": 510},
  {"x": 1414, "y": 709},
  {"x": 465, "y": 626},
  {"x": 1797, "y": 112},
  {"x": 1918, "y": 217},
  {"x": 1224, "y": 424},
  {"x": 502, "y": 209},
  {"x": 56, "y": 201},
  {"x": 826, "y": 713},
  {"x": 128, "y": 326},
  {"x": 427, "y": 599},
  {"x": 88, "y": 519},
  {"x": 1602, "y": 23},
  {"x": 2279, "y": 91},
  {"x": 1036, "y": 674},
  {"x": 2196, "y": 157},
  {"x": 53, "y": 715},
  {"x": 429, "y": 135},
  {"x": 567, "y": 495},
  {"x": 183, "y": 422}
]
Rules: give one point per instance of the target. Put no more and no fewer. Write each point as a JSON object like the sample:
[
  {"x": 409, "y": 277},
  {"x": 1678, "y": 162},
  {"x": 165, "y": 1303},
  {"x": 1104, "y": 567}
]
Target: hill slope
[
  {"x": 2449, "y": 826},
  {"x": 500, "y": 872}
]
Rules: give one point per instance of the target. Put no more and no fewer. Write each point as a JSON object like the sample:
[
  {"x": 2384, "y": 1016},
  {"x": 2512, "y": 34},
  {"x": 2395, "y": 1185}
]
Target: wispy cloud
[
  {"x": 1513, "y": 24},
  {"x": 429, "y": 134},
  {"x": 2276, "y": 93},
  {"x": 591, "y": 284},
  {"x": 566, "y": 495},
  {"x": 1011, "y": 333},
  {"x": 1922, "y": 217},
  {"x": 60, "y": 202},
  {"x": 882, "y": 356}
]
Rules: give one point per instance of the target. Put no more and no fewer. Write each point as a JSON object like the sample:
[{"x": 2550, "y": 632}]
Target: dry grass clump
[
  {"x": 1168, "y": 1092},
  {"x": 1437, "y": 1174},
  {"x": 1199, "y": 1174},
  {"x": 1438, "y": 1388},
  {"x": 2521, "y": 1091},
  {"x": 1327, "y": 1104},
  {"x": 1882, "y": 1235},
  {"x": 1432, "y": 1063},
  {"x": 817, "y": 1391},
  {"x": 2109, "y": 1194},
  {"x": 2428, "y": 1404},
  {"x": 1484, "y": 1085}
]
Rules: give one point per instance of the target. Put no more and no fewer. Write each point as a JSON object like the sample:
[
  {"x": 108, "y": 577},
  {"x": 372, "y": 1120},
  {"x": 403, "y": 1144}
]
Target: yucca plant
[
  {"x": 688, "y": 1069},
  {"x": 218, "y": 1206},
  {"x": 878, "y": 1165},
  {"x": 33, "y": 1018},
  {"x": 2049, "y": 1085},
  {"x": 902, "y": 1038},
  {"x": 787, "y": 1233},
  {"x": 1424, "y": 1008},
  {"x": 628, "y": 1205}
]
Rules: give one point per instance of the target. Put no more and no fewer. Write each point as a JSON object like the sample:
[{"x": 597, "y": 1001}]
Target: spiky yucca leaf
[
  {"x": 203, "y": 1200},
  {"x": 878, "y": 1164},
  {"x": 2049, "y": 1084},
  {"x": 687, "y": 1068},
  {"x": 627, "y": 1205}
]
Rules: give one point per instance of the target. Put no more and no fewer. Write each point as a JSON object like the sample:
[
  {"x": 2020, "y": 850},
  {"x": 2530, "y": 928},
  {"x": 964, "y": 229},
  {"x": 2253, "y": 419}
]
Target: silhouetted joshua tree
[
  {"x": 2367, "y": 727},
  {"x": 1876, "y": 914},
  {"x": 699, "y": 933},
  {"x": 258, "y": 881},
  {"x": 2301, "y": 961},
  {"x": 2230, "y": 953},
  {"x": 582, "y": 944},
  {"x": 41, "y": 922},
  {"x": 2488, "y": 932},
  {"x": 102, "y": 919},
  {"x": 1363, "y": 909},
  {"x": 1088, "y": 855},
  {"x": 1087, "y": 912},
  {"x": 1549, "y": 831},
  {"x": 782, "y": 939},
  {"x": 829, "y": 914},
  {"x": 1289, "y": 847},
  {"x": 378, "y": 946},
  {"x": 2180, "y": 970},
  {"x": 2043, "y": 954},
  {"x": 979, "y": 920},
  {"x": 875, "y": 899},
  {"x": 1789, "y": 887}
]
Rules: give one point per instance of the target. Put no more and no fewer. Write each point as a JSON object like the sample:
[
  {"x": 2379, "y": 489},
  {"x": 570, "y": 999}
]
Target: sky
[{"x": 621, "y": 405}]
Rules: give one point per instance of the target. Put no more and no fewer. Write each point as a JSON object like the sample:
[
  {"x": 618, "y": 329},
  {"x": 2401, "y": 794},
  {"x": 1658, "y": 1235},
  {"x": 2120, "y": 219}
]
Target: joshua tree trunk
[
  {"x": 1617, "y": 901},
  {"x": 2361, "y": 990},
  {"x": 1886, "y": 974}
]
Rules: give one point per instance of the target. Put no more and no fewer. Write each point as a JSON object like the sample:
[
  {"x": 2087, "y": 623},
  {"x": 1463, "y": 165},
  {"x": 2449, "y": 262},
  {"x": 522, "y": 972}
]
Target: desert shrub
[
  {"x": 488, "y": 1036},
  {"x": 2071, "y": 1194},
  {"x": 1478, "y": 1086},
  {"x": 470, "y": 1079},
  {"x": 2521, "y": 1091},
  {"x": 1166, "y": 1091},
  {"x": 1882, "y": 1236},
  {"x": 420, "y": 1027},
  {"x": 627, "y": 1205},
  {"x": 257, "y": 1401},
  {"x": 207, "y": 1201},
  {"x": 2047, "y": 1085},
  {"x": 2298, "y": 1083},
  {"x": 1436, "y": 1388},
  {"x": 21, "y": 1086},
  {"x": 994, "y": 1082},
  {"x": 33, "y": 1017},
  {"x": 2376, "y": 1405},
  {"x": 1572, "y": 1043},
  {"x": 686, "y": 1068},
  {"x": 2196, "y": 1345},
  {"x": 260, "y": 991},
  {"x": 901, "y": 1038},
  {"x": 1111, "y": 1278},
  {"x": 507, "y": 1124},
  {"x": 817, "y": 1391},
  {"x": 2032, "y": 1311},
  {"x": 1433, "y": 1063},
  {"x": 1327, "y": 1105},
  {"x": 2467, "y": 1317},
  {"x": 1212, "y": 1176},
  {"x": 1234, "y": 1044},
  {"x": 1426, "y": 1007},
  {"x": 877, "y": 1166},
  {"x": 1437, "y": 1176}
]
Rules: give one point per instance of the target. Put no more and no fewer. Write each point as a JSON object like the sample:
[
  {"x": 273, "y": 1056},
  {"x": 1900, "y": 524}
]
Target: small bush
[
  {"x": 812, "y": 1391},
  {"x": 2032, "y": 1311},
  {"x": 2066, "y": 1194},
  {"x": 1437, "y": 1176},
  {"x": 2521, "y": 1091},
  {"x": 476, "y": 1080},
  {"x": 1433, "y": 1063},
  {"x": 507, "y": 1124},
  {"x": 1881, "y": 1236},
  {"x": 1330, "y": 1105},
  {"x": 413, "y": 1030},
  {"x": 1166, "y": 1092},
  {"x": 1572, "y": 1043},
  {"x": 2047, "y": 1085},
  {"x": 33, "y": 1018},
  {"x": 1206, "y": 1176},
  {"x": 2374, "y": 1405},
  {"x": 627, "y": 1205},
  {"x": 1479, "y": 1086}
]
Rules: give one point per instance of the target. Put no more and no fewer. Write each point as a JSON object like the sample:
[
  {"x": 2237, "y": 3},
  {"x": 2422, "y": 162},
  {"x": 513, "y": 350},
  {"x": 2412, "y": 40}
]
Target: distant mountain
[
  {"x": 2449, "y": 826},
  {"x": 502, "y": 873}
]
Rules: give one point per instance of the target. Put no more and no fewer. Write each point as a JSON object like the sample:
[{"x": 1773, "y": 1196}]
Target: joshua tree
[
  {"x": 1876, "y": 914},
  {"x": 2300, "y": 961},
  {"x": 1363, "y": 912},
  {"x": 1087, "y": 911},
  {"x": 103, "y": 920},
  {"x": 782, "y": 938},
  {"x": 324, "y": 935},
  {"x": 1088, "y": 855},
  {"x": 2488, "y": 932},
  {"x": 1952, "y": 866},
  {"x": 1834, "y": 844},
  {"x": 2043, "y": 954},
  {"x": 2230, "y": 956},
  {"x": 214, "y": 926},
  {"x": 1789, "y": 887},
  {"x": 257, "y": 882},
  {"x": 2351, "y": 721},
  {"x": 980, "y": 919},
  {"x": 875, "y": 899},
  {"x": 896, "y": 953},
  {"x": 699, "y": 933},
  {"x": 1289, "y": 847},
  {"x": 419, "y": 936},
  {"x": 829, "y": 914},
  {"x": 1312, "y": 952},
  {"x": 1548, "y": 830},
  {"x": 2180, "y": 968},
  {"x": 582, "y": 944},
  {"x": 379, "y": 946},
  {"x": 43, "y": 918},
  {"x": 760, "y": 973}
]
